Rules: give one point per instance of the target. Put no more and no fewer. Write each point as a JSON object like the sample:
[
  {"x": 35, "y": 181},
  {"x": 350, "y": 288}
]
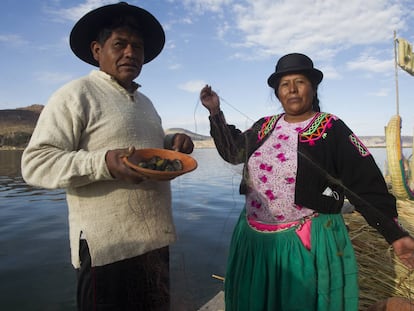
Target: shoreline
[{"x": 197, "y": 145}]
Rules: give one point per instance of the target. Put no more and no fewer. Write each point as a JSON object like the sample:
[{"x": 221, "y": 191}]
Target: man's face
[{"x": 121, "y": 56}]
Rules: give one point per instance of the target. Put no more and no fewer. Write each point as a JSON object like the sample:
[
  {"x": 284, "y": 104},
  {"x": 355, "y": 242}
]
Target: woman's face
[{"x": 296, "y": 94}]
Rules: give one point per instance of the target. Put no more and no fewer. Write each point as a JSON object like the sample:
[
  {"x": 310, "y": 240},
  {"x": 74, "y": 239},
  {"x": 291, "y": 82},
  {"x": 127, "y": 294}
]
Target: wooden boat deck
[{"x": 215, "y": 304}]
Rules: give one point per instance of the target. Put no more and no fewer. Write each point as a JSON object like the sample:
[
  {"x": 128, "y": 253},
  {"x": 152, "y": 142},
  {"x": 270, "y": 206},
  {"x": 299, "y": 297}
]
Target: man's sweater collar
[{"x": 111, "y": 79}]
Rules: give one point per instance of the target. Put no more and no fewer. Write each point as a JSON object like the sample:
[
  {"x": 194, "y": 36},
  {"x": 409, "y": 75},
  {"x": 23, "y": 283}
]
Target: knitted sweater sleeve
[
  {"x": 230, "y": 141},
  {"x": 53, "y": 158}
]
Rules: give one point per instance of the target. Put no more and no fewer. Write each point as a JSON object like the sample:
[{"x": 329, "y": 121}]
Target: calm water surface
[{"x": 35, "y": 268}]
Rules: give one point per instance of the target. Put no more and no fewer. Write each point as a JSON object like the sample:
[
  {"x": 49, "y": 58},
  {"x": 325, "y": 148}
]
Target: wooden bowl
[{"x": 140, "y": 155}]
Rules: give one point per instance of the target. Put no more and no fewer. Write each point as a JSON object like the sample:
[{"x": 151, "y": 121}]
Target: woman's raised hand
[{"x": 210, "y": 100}]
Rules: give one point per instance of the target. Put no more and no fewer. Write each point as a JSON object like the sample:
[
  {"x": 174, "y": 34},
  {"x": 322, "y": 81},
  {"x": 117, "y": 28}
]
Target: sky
[{"x": 232, "y": 45}]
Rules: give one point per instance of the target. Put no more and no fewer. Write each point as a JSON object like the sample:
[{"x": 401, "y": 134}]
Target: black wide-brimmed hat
[
  {"x": 87, "y": 28},
  {"x": 295, "y": 63}
]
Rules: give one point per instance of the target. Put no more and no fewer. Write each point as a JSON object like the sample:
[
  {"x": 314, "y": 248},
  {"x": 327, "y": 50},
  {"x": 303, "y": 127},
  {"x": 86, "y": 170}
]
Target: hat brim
[
  {"x": 87, "y": 28},
  {"x": 313, "y": 74}
]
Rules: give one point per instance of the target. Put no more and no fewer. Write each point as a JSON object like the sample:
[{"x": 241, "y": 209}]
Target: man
[{"x": 120, "y": 224}]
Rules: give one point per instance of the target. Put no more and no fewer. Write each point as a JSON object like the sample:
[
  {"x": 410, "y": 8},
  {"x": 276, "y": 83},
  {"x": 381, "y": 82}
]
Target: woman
[{"x": 290, "y": 249}]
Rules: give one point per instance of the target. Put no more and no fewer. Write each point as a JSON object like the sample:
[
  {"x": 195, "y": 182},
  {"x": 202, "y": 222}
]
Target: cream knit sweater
[{"x": 81, "y": 121}]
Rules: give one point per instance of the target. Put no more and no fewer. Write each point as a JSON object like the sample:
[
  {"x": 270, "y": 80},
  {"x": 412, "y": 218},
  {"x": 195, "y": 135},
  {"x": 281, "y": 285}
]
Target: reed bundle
[
  {"x": 381, "y": 274},
  {"x": 395, "y": 159}
]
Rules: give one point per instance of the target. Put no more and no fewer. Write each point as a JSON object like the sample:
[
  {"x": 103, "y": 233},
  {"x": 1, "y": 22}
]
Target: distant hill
[
  {"x": 22, "y": 119},
  {"x": 193, "y": 135},
  {"x": 200, "y": 141},
  {"x": 16, "y": 125},
  {"x": 16, "y": 128}
]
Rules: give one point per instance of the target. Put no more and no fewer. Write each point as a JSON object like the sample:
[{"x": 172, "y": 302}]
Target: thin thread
[
  {"x": 242, "y": 113},
  {"x": 223, "y": 101}
]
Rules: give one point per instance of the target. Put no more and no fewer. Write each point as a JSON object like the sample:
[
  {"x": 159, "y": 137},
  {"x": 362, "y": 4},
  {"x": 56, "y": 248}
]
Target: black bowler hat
[
  {"x": 295, "y": 63},
  {"x": 87, "y": 28}
]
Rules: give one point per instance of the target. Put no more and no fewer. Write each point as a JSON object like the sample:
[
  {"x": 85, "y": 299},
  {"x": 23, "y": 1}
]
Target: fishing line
[
  {"x": 222, "y": 100},
  {"x": 204, "y": 205},
  {"x": 225, "y": 226},
  {"x": 235, "y": 204},
  {"x": 243, "y": 114}
]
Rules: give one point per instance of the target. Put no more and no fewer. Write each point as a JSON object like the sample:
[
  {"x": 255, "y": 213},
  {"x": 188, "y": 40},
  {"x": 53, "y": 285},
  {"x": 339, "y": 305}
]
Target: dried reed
[{"x": 381, "y": 274}]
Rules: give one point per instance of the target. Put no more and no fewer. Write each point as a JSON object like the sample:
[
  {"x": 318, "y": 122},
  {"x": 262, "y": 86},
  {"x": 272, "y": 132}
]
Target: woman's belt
[{"x": 276, "y": 227}]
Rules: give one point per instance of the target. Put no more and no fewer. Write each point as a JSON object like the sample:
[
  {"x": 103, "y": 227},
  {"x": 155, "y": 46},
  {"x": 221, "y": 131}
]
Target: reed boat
[{"x": 400, "y": 170}]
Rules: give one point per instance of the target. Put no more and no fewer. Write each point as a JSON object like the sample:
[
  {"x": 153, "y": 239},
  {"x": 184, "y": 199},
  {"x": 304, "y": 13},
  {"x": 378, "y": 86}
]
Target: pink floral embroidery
[
  {"x": 280, "y": 217},
  {"x": 263, "y": 179},
  {"x": 256, "y": 204},
  {"x": 265, "y": 167},
  {"x": 270, "y": 195},
  {"x": 290, "y": 180},
  {"x": 272, "y": 199},
  {"x": 281, "y": 157}
]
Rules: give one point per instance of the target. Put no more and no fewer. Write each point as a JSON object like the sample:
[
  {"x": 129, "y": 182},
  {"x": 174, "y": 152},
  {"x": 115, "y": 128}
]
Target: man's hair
[{"x": 125, "y": 22}]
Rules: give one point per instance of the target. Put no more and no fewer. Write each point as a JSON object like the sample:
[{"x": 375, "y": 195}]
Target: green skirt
[{"x": 274, "y": 271}]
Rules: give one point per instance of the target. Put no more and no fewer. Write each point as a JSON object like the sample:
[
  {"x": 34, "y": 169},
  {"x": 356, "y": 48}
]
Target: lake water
[{"x": 35, "y": 268}]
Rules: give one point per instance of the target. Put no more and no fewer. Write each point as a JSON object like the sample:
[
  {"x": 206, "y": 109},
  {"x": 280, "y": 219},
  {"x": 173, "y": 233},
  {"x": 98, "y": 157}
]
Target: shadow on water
[{"x": 35, "y": 268}]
